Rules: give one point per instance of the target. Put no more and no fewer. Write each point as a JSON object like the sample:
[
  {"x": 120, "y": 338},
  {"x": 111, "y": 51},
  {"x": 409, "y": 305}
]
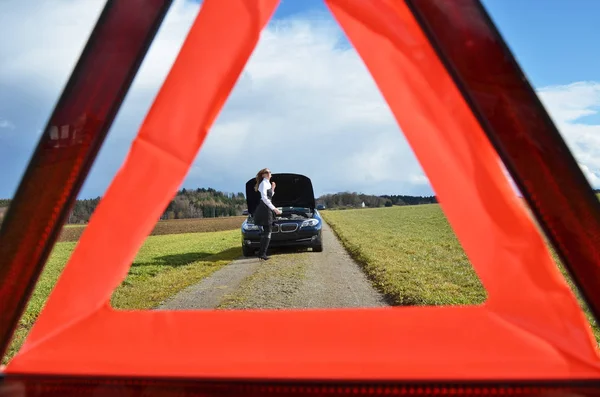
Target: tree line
[
  {"x": 187, "y": 203},
  {"x": 411, "y": 200},
  {"x": 356, "y": 200},
  {"x": 210, "y": 203},
  {"x": 204, "y": 203}
]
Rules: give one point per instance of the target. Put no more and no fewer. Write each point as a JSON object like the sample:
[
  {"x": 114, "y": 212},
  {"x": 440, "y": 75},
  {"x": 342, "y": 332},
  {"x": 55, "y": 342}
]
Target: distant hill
[
  {"x": 411, "y": 200},
  {"x": 210, "y": 203},
  {"x": 3, "y": 208},
  {"x": 205, "y": 203},
  {"x": 355, "y": 200},
  {"x": 188, "y": 203}
]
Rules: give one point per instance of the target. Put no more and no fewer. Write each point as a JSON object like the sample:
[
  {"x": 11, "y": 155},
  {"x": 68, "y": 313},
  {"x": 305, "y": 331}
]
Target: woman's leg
[{"x": 265, "y": 239}]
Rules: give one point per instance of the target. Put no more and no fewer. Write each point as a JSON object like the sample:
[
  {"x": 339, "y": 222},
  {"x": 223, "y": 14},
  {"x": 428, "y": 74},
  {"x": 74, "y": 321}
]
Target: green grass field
[
  {"x": 164, "y": 265},
  {"x": 413, "y": 256},
  {"x": 410, "y": 253},
  {"x": 175, "y": 226}
]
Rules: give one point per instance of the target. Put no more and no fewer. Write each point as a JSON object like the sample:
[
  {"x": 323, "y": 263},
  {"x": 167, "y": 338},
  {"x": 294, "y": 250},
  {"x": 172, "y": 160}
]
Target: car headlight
[
  {"x": 249, "y": 226},
  {"x": 310, "y": 223}
]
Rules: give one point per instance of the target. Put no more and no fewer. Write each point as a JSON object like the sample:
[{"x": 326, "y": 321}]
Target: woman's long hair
[{"x": 259, "y": 178}]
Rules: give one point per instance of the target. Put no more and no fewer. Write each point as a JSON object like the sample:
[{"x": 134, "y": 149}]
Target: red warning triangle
[{"x": 530, "y": 327}]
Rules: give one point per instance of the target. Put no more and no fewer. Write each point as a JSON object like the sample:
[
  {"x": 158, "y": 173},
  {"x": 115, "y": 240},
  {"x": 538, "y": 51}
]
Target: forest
[
  {"x": 355, "y": 200},
  {"x": 210, "y": 203}
]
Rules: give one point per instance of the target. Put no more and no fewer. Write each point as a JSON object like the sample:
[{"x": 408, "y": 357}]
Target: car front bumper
[{"x": 302, "y": 237}]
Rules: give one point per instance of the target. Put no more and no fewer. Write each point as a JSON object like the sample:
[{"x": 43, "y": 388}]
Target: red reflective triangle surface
[
  {"x": 530, "y": 328},
  {"x": 68, "y": 147}
]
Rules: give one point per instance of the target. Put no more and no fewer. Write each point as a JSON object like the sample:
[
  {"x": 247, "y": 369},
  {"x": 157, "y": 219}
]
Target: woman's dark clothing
[
  {"x": 265, "y": 239},
  {"x": 263, "y": 217}
]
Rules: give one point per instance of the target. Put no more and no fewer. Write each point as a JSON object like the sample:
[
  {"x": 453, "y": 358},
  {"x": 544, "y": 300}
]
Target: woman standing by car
[{"x": 263, "y": 216}]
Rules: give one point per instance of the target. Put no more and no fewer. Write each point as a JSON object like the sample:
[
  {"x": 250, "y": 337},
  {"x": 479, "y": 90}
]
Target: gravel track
[{"x": 328, "y": 279}]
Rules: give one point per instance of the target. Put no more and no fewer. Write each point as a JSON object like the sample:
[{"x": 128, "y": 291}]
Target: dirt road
[{"x": 328, "y": 279}]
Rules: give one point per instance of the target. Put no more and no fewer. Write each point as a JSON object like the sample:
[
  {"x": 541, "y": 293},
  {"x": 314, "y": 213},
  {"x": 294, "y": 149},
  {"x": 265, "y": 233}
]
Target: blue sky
[
  {"x": 300, "y": 81},
  {"x": 552, "y": 39}
]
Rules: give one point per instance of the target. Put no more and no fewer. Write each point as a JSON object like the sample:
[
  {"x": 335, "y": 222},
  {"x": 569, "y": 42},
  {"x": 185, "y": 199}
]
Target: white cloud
[
  {"x": 567, "y": 104},
  {"x": 41, "y": 41},
  {"x": 6, "y": 124},
  {"x": 308, "y": 100},
  {"x": 304, "y": 103},
  {"x": 36, "y": 63},
  {"x": 419, "y": 179},
  {"x": 313, "y": 103},
  {"x": 166, "y": 46},
  {"x": 592, "y": 175}
]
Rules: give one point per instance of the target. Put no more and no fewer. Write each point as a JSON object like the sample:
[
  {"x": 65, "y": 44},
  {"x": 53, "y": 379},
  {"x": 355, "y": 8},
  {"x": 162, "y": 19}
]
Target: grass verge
[
  {"x": 175, "y": 226},
  {"x": 413, "y": 256},
  {"x": 410, "y": 253},
  {"x": 164, "y": 265}
]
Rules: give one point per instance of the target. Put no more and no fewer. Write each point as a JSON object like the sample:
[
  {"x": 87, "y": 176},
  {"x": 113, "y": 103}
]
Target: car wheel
[
  {"x": 247, "y": 251},
  {"x": 318, "y": 248}
]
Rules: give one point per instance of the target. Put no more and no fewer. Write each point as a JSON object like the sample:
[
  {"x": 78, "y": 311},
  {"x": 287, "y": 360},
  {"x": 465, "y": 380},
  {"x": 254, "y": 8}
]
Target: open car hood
[{"x": 292, "y": 190}]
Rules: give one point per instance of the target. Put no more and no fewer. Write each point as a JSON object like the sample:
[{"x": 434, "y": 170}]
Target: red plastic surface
[
  {"x": 62, "y": 386},
  {"x": 530, "y": 328},
  {"x": 527, "y": 140},
  {"x": 68, "y": 147}
]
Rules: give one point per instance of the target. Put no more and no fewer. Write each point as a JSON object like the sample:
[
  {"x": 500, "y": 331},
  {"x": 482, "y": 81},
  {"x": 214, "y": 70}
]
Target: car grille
[{"x": 288, "y": 227}]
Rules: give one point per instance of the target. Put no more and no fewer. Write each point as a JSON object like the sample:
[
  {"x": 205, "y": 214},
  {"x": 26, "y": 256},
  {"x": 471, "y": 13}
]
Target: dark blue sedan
[{"x": 299, "y": 224}]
